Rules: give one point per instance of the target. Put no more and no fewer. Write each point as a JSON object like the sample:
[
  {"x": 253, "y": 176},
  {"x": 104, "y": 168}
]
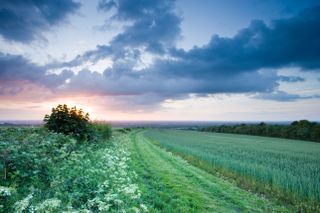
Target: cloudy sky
[{"x": 247, "y": 60}]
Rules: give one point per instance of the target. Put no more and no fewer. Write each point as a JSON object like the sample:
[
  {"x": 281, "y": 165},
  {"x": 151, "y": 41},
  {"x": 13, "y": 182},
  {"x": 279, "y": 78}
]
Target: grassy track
[{"x": 168, "y": 183}]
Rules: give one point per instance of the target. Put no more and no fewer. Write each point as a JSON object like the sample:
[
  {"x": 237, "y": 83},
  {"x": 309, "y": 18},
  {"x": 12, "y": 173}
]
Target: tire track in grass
[
  {"x": 192, "y": 188},
  {"x": 157, "y": 192}
]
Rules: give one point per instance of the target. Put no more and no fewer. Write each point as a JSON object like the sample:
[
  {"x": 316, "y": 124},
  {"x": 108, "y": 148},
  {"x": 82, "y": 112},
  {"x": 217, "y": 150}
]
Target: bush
[
  {"x": 69, "y": 121},
  {"x": 27, "y": 159}
]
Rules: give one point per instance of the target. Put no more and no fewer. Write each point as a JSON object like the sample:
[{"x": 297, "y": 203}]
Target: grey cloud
[
  {"x": 18, "y": 68},
  {"x": 150, "y": 81},
  {"x": 291, "y": 79},
  {"x": 225, "y": 65},
  {"x": 155, "y": 25},
  {"x": 101, "y": 52},
  {"x": 282, "y": 96},
  {"x": 25, "y": 20},
  {"x": 155, "y": 28},
  {"x": 285, "y": 42}
]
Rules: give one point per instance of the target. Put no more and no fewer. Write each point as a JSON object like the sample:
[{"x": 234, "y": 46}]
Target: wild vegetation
[
  {"x": 44, "y": 171},
  {"x": 57, "y": 168},
  {"x": 286, "y": 169},
  {"x": 302, "y": 130}
]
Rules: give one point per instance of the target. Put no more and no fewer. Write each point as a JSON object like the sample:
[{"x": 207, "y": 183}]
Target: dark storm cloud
[
  {"x": 15, "y": 68},
  {"x": 241, "y": 64},
  {"x": 155, "y": 25},
  {"x": 122, "y": 81},
  {"x": 25, "y": 20},
  {"x": 283, "y": 43}
]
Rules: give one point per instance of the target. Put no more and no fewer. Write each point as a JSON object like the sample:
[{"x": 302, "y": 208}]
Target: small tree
[{"x": 69, "y": 121}]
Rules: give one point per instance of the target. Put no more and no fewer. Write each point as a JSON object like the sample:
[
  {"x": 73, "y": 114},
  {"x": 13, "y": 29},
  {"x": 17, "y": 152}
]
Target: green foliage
[
  {"x": 69, "y": 121},
  {"x": 27, "y": 157},
  {"x": 42, "y": 171},
  {"x": 303, "y": 130},
  {"x": 106, "y": 183},
  {"x": 288, "y": 169}
]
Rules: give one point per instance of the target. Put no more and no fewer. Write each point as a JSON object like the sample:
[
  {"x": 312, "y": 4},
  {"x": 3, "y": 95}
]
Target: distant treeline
[{"x": 302, "y": 130}]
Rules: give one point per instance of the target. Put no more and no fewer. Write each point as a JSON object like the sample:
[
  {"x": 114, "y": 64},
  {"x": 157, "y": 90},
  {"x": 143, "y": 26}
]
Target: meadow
[
  {"x": 155, "y": 170},
  {"x": 282, "y": 168}
]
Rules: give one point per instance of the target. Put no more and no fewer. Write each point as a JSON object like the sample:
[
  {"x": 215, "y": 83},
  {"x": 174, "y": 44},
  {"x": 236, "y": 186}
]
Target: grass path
[{"x": 170, "y": 184}]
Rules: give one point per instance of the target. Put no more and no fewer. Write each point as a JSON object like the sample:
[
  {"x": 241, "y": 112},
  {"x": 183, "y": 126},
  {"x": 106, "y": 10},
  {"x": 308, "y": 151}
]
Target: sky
[{"x": 204, "y": 60}]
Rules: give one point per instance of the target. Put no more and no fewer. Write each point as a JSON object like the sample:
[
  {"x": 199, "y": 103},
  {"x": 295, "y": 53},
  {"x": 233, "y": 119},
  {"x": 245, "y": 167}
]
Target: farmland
[
  {"x": 173, "y": 185},
  {"x": 284, "y": 168},
  {"x": 153, "y": 170}
]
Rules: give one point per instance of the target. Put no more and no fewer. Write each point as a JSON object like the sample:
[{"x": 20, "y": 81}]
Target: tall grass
[
  {"x": 101, "y": 130},
  {"x": 290, "y": 167}
]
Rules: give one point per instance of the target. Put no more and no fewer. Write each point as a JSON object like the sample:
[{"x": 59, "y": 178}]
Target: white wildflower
[
  {"x": 104, "y": 206},
  {"x": 118, "y": 202},
  {"x": 131, "y": 189},
  {"x": 49, "y": 204},
  {"x": 23, "y": 204},
  {"x": 85, "y": 211},
  {"x": 109, "y": 197},
  {"x": 5, "y": 191},
  {"x": 143, "y": 207},
  {"x": 136, "y": 196}
]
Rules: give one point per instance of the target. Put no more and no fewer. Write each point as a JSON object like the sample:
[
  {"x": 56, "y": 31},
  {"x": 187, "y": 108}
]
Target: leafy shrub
[
  {"x": 27, "y": 159},
  {"x": 69, "y": 121}
]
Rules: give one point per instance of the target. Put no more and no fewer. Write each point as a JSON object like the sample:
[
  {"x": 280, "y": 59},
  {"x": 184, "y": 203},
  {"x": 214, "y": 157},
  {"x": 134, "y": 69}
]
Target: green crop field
[{"x": 289, "y": 168}]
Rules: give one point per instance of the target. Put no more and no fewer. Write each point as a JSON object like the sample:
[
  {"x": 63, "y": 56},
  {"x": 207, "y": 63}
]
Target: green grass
[
  {"x": 170, "y": 184},
  {"x": 286, "y": 169}
]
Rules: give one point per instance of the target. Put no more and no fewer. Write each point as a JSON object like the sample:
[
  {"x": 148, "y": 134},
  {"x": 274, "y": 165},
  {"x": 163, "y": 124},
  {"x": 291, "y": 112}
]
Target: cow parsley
[{"x": 6, "y": 191}]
